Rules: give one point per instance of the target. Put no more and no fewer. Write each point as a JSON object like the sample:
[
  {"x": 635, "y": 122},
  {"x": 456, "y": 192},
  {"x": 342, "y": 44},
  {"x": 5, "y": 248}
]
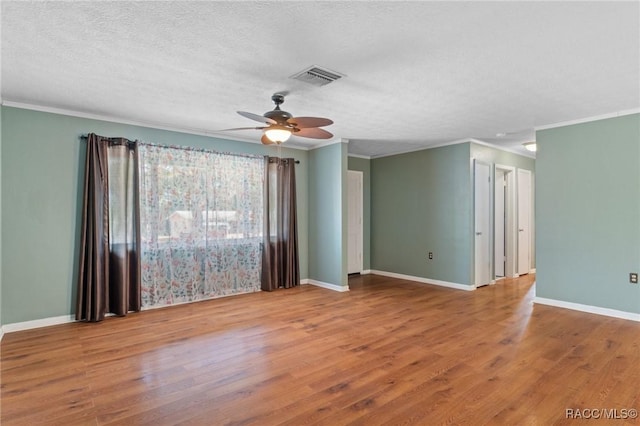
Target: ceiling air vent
[{"x": 317, "y": 76}]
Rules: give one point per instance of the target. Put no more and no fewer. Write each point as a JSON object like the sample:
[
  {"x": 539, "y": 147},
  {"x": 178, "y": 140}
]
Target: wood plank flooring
[{"x": 387, "y": 352}]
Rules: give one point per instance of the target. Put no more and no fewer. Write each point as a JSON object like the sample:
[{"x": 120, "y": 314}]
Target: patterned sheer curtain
[{"x": 201, "y": 216}]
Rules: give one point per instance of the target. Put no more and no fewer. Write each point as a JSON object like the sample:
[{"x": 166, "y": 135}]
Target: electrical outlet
[
  {"x": 633, "y": 278},
  {"x": 430, "y": 255}
]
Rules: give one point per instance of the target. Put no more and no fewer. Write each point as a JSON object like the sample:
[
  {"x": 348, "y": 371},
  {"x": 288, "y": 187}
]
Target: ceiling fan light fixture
[
  {"x": 281, "y": 124},
  {"x": 278, "y": 134},
  {"x": 531, "y": 146}
]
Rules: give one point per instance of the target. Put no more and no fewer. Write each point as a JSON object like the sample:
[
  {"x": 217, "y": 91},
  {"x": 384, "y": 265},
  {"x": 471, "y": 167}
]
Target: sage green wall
[
  {"x": 364, "y": 165},
  {"x": 421, "y": 202},
  {"x": 1, "y": 222},
  {"x": 42, "y": 176},
  {"x": 588, "y": 213},
  {"x": 327, "y": 215},
  {"x": 344, "y": 164}
]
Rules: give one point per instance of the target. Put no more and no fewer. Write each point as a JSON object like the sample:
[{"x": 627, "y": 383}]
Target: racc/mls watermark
[{"x": 601, "y": 413}]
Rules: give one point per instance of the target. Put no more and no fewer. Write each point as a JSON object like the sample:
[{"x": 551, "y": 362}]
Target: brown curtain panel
[
  {"x": 109, "y": 275},
  {"x": 280, "y": 265}
]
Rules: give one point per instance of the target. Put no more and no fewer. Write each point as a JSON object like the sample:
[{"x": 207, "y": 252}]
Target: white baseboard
[
  {"x": 64, "y": 319},
  {"x": 425, "y": 280},
  {"x": 588, "y": 308},
  {"x": 44, "y": 322},
  {"x": 333, "y": 287},
  {"x": 532, "y": 271},
  {"x": 363, "y": 272}
]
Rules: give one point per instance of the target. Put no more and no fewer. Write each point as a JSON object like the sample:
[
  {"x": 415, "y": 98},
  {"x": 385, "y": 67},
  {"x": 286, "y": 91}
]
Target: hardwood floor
[{"x": 387, "y": 352}]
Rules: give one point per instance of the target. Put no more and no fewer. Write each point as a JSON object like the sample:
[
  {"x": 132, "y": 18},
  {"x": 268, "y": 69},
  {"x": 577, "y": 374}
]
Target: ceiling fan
[{"x": 281, "y": 125}]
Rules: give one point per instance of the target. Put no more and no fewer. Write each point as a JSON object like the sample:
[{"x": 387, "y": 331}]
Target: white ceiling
[{"x": 418, "y": 74}]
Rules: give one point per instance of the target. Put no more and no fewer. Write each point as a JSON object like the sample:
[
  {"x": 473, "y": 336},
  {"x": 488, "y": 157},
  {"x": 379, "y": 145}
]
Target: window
[{"x": 201, "y": 219}]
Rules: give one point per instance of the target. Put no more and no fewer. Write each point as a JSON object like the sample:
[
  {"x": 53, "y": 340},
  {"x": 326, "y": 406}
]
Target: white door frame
[
  {"x": 511, "y": 231},
  {"x": 529, "y": 215},
  {"x": 499, "y": 222},
  {"x": 359, "y": 198},
  {"x": 488, "y": 231}
]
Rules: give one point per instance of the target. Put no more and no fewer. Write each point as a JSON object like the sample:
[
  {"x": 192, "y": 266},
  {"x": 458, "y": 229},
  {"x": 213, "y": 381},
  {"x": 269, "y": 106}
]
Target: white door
[
  {"x": 482, "y": 198},
  {"x": 354, "y": 222},
  {"x": 524, "y": 221},
  {"x": 500, "y": 220}
]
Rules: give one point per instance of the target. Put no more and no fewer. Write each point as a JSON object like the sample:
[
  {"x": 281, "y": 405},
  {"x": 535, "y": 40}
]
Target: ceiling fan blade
[
  {"x": 313, "y": 133},
  {"x": 242, "y": 128},
  {"x": 266, "y": 141},
  {"x": 256, "y": 117},
  {"x": 305, "y": 122}
]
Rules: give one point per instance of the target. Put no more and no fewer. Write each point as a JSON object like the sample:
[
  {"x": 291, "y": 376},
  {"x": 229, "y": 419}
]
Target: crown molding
[
  {"x": 589, "y": 119},
  {"x": 422, "y": 148},
  {"x": 329, "y": 142},
  {"x": 457, "y": 142},
  {"x": 501, "y": 148},
  {"x": 217, "y": 135},
  {"x": 151, "y": 125},
  {"x": 366, "y": 157}
]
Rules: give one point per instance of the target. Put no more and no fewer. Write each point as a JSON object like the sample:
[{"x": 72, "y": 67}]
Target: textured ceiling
[{"x": 418, "y": 74}]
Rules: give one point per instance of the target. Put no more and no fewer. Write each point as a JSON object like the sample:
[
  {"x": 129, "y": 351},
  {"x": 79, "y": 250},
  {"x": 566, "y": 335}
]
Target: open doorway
[
  {"x": 505, "y": 235},
  {"x": 355, "y": 232},
  {"x": 524, "y": 221}
]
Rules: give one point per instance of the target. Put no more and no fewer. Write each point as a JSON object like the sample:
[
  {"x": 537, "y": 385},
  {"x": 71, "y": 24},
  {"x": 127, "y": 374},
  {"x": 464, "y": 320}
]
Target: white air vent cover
[{"x": 317, "y": 76}]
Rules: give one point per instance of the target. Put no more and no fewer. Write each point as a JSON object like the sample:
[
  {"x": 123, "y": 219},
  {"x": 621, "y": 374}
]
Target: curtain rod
[
  {"x": 295, "y": 161},
  {"x": 83, "y": 136}
]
